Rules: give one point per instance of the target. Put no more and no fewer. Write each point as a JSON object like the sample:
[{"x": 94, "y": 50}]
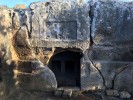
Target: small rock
[
  {"x": 125, "y": 95},
  {"x": 112, "y": 93},
  {"x": 8, "y": 62},
  {"x": 67, "y": 93},
  {"x": 58, "y": 93},
  {"x": 2, "y": 53}
]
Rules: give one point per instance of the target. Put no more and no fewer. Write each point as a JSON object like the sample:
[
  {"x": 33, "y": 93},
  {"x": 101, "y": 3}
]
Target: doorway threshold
[{"x": 69, "y": 88}]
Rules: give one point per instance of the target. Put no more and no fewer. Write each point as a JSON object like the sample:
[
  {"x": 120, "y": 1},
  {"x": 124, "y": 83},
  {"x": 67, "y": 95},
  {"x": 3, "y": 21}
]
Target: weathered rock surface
[
  {"x": 60, "y": 20},
  {"x": 111, "y": 53},
  {"x": 125, "y": 95},
  {"x": 41, "y": 78},
  {"x": 5, "y": 21},
  {"x": 114, "y": 93},
  {"x": 124, "y": 81},
  {"x": 91, "y": 77},
  {"x": 22, "y": 45},
  {"x": 102, "y": 33},
  {"x": 21, "y": 38},
  {"x": 110, "y": 70},
  {"x": 67, "y": 93},
  {"x": 58, "y": 93},
  {"x": 107, "y": 16}
]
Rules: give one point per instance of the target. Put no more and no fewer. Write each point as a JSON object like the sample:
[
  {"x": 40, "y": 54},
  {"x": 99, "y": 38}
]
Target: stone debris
[
  {"x": 58, "y": 93},
  {"x": 114, "y": 93},
  {"x": 67, "y": 93},
  {"x": 125, "y": 95}
]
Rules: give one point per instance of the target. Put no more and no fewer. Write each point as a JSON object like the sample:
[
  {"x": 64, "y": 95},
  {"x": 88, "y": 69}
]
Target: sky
[{"x": 12, "y": 3}]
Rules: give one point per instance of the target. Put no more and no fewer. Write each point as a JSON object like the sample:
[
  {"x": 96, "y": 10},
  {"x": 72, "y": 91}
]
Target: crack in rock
[
  {"x": 100, "y": 73},
  {"x": 118, "y": 71}
]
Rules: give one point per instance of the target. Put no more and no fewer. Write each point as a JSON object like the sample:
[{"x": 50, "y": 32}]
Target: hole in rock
[{"x": 66, "y": 67}]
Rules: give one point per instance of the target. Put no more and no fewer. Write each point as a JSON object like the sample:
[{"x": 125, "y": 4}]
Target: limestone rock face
[
  {"x": 16, "y": 21},
  {"x": 124, "y": 80},
  {"x": 111, "y": 72},
  {"x": 91, "y": 78},
  {"x": 111, "y": 52},
  {"x": 100, "y": 31},
  {"x": 20, "y": 18},
  {"x": 107, "y": 17},
  {"x": 5, "y": 21},
  {"x": 22, "y": 37},
  {"x": 60, "y": 20},
  {"x": 41, "y": 78},
  {"x": 5, "y": 27},
  {"x": 22, "y": 45}
]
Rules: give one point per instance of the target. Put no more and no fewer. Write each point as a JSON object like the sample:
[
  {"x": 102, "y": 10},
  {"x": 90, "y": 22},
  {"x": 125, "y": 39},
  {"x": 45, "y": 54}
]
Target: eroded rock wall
[
  {"x": 112, "y": 49},
  {"x": 100, "y": 30}
]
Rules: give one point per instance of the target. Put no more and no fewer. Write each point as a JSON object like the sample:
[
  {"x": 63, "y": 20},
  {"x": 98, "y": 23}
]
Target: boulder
[
  {"x": 58, "y": 93},
  {"x": 41, "y": 78},
  {"x": 125, "y": 95},
  {"x": 67, "y": 93},
  {"x": 114, "y": 93}
]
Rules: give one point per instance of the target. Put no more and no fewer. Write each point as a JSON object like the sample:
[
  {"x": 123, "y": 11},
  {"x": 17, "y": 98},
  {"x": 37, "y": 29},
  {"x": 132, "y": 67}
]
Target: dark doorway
[{"x": 66, "y": 67}]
